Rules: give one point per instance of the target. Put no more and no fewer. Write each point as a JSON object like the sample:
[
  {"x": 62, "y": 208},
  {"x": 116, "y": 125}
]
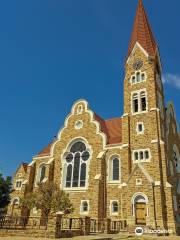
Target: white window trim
[
  {"x": 137, "y": 129},
  {"x": 81, "y": 205},
  {"x": 141, "y": 150},
  {"x": 109, "y": 175},
  {"x": 18, "y": 188},
  {"x": 110, "y": 208},
  {"x": 138, "y": 92},
  {"x": 134, "y": 75}
]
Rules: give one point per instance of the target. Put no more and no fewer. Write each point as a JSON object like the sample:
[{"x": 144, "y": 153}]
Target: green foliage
[
  {"x": 5, "y": 189},
  {"x": 49, "y": 198}
]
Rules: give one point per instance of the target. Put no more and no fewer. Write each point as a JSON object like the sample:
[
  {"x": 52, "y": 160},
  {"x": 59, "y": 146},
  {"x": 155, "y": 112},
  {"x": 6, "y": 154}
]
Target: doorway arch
[{"x": 140, "y": 208}]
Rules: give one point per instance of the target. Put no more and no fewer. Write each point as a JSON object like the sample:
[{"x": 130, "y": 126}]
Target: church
[{"x": 122, "y": 168}]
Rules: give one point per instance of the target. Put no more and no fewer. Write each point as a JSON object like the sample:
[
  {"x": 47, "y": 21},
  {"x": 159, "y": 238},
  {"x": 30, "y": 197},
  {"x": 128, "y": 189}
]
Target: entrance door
[{"x": 141, "y": 213}]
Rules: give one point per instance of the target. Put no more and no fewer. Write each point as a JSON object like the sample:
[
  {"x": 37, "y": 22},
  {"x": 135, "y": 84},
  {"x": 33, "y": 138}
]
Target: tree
[
  {"x": 5, "y": 189},
  {"x": 49, "y": 198}
]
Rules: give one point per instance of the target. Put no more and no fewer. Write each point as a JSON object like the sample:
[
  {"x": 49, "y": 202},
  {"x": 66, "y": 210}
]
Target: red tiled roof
[
  {"x": 112, "y": 128},
  {"x": 142, "y": 32},
  {"x": 45, "y": 151},
  {"x": 102, "y": 124}
]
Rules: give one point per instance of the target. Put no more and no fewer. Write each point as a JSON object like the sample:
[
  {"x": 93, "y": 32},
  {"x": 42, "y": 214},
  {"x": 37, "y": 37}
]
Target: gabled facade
[{"x": 124, "y": 168}]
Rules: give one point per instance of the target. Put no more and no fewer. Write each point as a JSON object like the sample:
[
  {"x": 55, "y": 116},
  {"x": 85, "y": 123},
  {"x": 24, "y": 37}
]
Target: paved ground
[{"x": 98, "y": 237}]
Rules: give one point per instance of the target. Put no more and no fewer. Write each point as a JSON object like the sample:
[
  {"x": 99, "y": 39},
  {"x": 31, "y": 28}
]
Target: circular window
[
  {"x": 78, "y": 124},
  {"x": 69, "y": 157},
  {"x": 85, "y": 156}
]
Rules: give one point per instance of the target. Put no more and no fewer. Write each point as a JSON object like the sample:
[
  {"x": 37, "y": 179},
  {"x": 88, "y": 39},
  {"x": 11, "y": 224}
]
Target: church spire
[{"x": 142, "y": 32}]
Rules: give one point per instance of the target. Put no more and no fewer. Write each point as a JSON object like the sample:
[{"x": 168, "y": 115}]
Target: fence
[
  {"x": 22, "y": 223},
  {"x": 62, "y": 226}
]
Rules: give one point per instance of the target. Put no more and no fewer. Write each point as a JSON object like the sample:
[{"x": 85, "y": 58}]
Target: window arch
[
  {"x": 15, "y": 201},
  {"x": 139, "y": 198},
  {"x": 143, "y": 100},
  {"x": 114, "y": 169},
  {"x": 114, "y": 207},
  {"x": 41, "y": 173},
  {"x": 135, "y": 103},
  {"x": 79, "y": 109},
  {"x": 84, "y": 208},
  {"x": 76, "y": 161}
]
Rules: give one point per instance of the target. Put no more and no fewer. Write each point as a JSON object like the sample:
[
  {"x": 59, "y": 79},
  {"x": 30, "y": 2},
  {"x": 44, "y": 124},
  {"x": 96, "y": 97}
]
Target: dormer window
[{"x": 138, "y": 77}]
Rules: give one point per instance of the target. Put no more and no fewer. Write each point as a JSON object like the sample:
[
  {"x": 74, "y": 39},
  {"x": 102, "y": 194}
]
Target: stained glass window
[{"x": 76, "y": 161}]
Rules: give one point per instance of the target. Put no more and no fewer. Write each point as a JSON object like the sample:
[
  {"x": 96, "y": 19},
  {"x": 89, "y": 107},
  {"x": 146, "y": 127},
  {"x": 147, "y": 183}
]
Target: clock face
[{"x": 137, "y": 64}]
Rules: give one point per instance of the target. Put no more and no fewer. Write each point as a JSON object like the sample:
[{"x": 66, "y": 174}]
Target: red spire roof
[{"x": 142, "y": 32}]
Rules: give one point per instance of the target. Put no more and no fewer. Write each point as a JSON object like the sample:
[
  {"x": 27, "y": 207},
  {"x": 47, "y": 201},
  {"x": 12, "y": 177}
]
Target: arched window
[
  {"x": 138, "y": 77},
  {"x": 76, "y": 162},
  {"x": 143, "y": 101},
  {"x": 135, "y": 103},
  {"x": 146, "y": 154},
  {"x": 79, "y": 109},
  {"x": 114, "y": 169},
  {"x": 136, "y": 156},
  {"x": 84, "y": 206},
  {"x": 141, "y": 155},
  {"x": 139, "y": 101},
  {"x": 15, "y": 201},
  {"x": 41, "y": 173},
  {"x": 114, "y": 207}
]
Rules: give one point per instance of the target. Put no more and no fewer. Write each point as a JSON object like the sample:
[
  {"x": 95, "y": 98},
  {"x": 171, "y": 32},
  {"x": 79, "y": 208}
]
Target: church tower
[{"x": 144, "y": 115}]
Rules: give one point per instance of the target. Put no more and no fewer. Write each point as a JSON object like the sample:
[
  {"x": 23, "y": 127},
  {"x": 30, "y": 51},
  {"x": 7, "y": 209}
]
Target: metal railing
[
  {"x": 72, "y": 223},
  {"x": 21, "y": 223}
]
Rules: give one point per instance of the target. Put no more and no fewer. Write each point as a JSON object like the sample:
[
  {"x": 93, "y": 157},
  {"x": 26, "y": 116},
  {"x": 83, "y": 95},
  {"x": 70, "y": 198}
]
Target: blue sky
[{"x": 55, "y": 52}]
